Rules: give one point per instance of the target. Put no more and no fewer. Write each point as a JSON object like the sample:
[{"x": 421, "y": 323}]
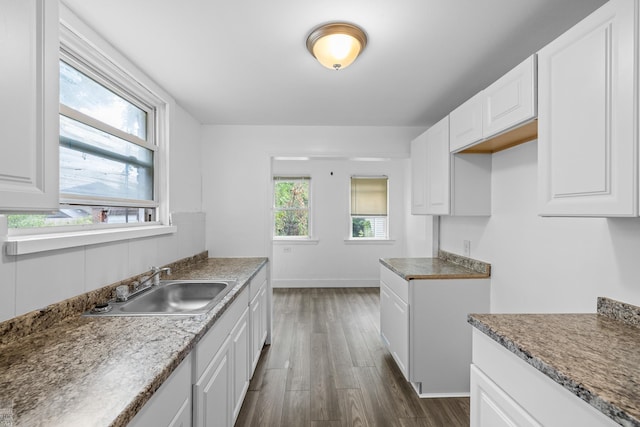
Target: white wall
[
  {"x": 330, "y": 261},
  {"x": 236, "y": 186},
  {"x": 545, "y": 264}
]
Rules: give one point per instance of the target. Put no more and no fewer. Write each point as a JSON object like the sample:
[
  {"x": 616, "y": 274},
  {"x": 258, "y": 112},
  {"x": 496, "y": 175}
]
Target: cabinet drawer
[
  {"x": 396, "y": 283},
  {"x": 213, "y": 339}
]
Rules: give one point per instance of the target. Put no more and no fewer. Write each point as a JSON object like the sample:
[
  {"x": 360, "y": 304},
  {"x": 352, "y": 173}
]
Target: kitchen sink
[{"x": 170, "y": 297}]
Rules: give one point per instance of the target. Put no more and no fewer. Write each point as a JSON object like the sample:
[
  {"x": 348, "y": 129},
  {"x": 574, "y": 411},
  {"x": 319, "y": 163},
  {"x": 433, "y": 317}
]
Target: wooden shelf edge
[{"x": 516, "y": 136}]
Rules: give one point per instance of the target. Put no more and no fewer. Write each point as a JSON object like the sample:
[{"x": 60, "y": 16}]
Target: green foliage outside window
[
  {"x": 362, "y": 228},
  {"x": 291, "y": 207}
]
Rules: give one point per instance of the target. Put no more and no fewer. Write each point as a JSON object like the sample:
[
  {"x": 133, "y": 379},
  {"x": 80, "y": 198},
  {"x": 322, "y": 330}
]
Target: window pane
[
  {"x": 83, "y": 94},
  {"x": 82, "y": 215},
  {"x": 101, "y": 165},
  {"x": 292, "y": 194},
  {"x": 369, "y": 227},
  {"x": 292, "y": 223}
]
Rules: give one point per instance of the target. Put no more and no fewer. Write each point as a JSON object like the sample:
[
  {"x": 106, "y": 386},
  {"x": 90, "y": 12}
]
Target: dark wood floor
[{"x": 327, "y": 367}]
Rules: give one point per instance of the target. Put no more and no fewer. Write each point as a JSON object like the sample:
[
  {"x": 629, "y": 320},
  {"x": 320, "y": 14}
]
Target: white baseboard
[{"x": 325, "y": 283}]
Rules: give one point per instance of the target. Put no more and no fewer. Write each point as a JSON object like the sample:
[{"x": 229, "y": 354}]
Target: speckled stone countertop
[
  {"x": 595, "y": 356},
  {"x": 99, "y": 371},
  {"x": 446, "y": 266}
]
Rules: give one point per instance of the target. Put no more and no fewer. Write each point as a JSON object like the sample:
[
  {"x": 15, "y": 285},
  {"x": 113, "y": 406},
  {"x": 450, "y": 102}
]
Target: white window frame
[
  {"x": 292, "y": 239},
  {"x": 85, "y": 54},
  {"x": 350, "y": 237}
]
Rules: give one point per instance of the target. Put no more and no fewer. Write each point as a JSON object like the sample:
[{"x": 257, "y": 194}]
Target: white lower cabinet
[
  {"x": 507, "y": 391},
  {"x": 423, "y": 323},
  {"x": 240, "y": 354},
  {"x": 170, "y": 405},
  {"x": 221, "y": 367},
  {"x": 258, "y": 312},
  {"x": 212, "y": 392}
]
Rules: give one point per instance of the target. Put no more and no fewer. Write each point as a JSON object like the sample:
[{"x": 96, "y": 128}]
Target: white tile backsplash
[
  {"x": 106, "y": 264},
  {"x": 7, "y": 287},
  {"x": 30, "y": 282},
  {"x": 48, "y": 277}
]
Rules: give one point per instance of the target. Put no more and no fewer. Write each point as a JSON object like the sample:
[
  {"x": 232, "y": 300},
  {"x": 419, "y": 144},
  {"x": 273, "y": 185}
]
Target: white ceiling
[{"x": 245, "y": 61}]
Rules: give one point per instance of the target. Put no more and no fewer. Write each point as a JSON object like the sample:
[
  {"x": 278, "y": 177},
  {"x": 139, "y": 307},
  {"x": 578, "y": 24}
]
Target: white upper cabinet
[
  {"x": 511, "y": 100},
  {"x": 499, "y": 117},
  {"x": 587, "y": 157},
  {"x": 29, "y": 105},
  {"x": 419, "y": 175},
  {"x": 466, "y": 123},
  {"x": 438, "y": 168},
  {"x": 445, "y": 183}
]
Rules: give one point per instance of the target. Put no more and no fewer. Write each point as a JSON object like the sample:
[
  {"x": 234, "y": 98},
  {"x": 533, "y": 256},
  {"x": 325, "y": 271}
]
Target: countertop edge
[{"x": 607, "y": 408}]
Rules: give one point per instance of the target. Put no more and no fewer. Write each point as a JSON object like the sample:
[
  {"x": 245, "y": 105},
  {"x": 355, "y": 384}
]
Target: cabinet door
[
  {"x": 586, "y": 141},
  {"x": 465, "y": 124},
  {"x": 212, "y": 392},
  {"x": 183, "y": 417},
  {"x": 170, "y": 405},
  {"x": 258, "y": 320},
  {"x": 240, "y": 346},
  {"x": 438, "y": 168},
  {"x": 419, "y": 175},
  {"x": 492, "y": 407},
  {"x": 511, "y": 100},
  {"x": 29, "y": 105},
  {"x": 394, "y": 327}
]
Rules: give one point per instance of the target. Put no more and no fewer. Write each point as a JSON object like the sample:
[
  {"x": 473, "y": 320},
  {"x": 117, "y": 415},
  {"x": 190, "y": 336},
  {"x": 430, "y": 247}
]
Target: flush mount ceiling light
[{"x": 336, "y": 45}]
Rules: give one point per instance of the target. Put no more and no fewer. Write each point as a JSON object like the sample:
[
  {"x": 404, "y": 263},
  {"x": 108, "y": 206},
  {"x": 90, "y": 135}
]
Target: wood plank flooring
[{"x": 327, "y": 367}]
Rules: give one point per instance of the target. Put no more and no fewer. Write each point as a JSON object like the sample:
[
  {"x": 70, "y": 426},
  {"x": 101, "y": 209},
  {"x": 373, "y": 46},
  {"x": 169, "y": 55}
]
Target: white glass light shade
[{"x": 336, "y": 45}]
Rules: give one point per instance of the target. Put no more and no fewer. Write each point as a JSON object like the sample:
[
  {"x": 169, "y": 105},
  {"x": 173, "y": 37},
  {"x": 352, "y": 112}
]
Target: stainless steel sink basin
[{"x": 171, "y": 297}]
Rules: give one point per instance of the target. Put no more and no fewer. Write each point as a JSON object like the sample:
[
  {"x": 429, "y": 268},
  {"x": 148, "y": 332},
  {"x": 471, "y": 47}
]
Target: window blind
[{"x": 369, "y": 196}]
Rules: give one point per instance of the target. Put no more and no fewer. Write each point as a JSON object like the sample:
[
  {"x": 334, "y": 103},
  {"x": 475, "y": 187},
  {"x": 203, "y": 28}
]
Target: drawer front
[{"x": 396, "y": 283}]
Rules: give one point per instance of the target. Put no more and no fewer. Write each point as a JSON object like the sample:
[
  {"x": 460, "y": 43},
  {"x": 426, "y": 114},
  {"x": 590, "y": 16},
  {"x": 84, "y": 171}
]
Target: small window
[
  {"x": 291, "y": 207},
  {"x": 369, "y": 207}
]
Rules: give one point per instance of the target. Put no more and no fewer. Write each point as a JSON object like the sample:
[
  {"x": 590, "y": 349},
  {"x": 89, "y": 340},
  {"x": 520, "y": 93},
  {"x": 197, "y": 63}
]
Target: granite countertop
[
  {"x": 595, "y": 356},
  {"x": 445, "y": 266},
  {"x": 99, "y": 371}
]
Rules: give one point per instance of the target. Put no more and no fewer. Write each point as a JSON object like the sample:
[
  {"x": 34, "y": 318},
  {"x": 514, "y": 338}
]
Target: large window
[
  {"x": 291, "y": 207},
  {"x": 369, "y": 207},
  {"x": 108, "y": 151}
]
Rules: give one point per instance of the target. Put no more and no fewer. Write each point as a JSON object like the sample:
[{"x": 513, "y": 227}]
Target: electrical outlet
[
  {"x": 466, "y": 247},
  {"x": 287, "y": 250}
]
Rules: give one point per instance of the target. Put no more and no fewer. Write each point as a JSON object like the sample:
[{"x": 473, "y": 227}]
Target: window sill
[
  {"x": 369, "y": 242},
  {"x": 295, "y": 241},
  {"x": 29, "y": 244}
]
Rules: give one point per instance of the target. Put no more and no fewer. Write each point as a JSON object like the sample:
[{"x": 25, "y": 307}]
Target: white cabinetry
[
  {"x": 466, "y": 123},
  {"x": 445, "y": 183},
  {"x": 587, "y": 144},
  {"x": 438, "y": 168},
  {"x": 221, "y": 366},
  {"x": 502, "y": 107},
  {"x": 29, "y": 105},
  {"x": 511, "y": 100},
  {"x": 241, "y": 353},
  {"x": 507, "y": 391},
  {"x": 170, "y": 405},
  {"x": 419, "y": 175},
  {"x": 258, "y": 314},
  {"x": 424, "y": 325}
]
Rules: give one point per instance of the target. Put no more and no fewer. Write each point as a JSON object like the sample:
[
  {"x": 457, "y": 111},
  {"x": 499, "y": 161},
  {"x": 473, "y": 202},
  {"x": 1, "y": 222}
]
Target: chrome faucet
[
  {"x": 155, "y": 275},
  {"x": 146, "y": 282}
]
